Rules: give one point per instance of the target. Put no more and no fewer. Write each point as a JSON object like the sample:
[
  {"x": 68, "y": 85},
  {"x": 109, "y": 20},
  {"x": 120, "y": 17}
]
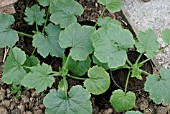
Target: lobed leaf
[
  {"x": 13, "y": 71},
  {"x": 39, "y": 78},
  {"x": 166, "y": 36},
  {"x": 98, "y": 81},
  {"x": 79, "y": 39},
  {"x": 122, "y": 101},
  {"x": 77, "y": 102},
  {"x": 8, "y": 37},
  {"x": 79, "y": 67},
  {"x": 104, "y": 22},
  {"x": 158, "y": 87},
  {"x": 44, "y": 2},
  {"x": 147, "y": 43},
  {"x": 49, "y": 43},
  {"x": 64, "y": 12},
  {"x": 111, "y": 44},
  {"x": 34, "y": 15},
  {"x": 112, "y": 5}
]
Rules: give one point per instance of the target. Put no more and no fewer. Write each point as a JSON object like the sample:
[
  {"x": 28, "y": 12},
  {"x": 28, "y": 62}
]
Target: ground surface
[{"x": 31, "y": 102}]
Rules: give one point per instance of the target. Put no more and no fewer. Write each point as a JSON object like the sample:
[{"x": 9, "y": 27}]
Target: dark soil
[{"x": 31, "y": 102}]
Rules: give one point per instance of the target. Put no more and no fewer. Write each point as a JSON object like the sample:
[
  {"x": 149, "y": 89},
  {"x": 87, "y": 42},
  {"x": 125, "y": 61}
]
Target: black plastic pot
[{"x": 119, "y": 76}]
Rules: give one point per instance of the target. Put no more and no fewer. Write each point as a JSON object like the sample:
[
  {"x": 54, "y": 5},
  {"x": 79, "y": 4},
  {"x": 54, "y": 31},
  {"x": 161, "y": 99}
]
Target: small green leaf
[
  {"x": 98, "y": 82},
  {"x": 147, "y": 42},
  {"x": 133, "y": 112},
  {"x": 44, "y": 2},
  {"x": 8, "y": 37},
  {"x": 39, "y": 78},
  {"x": 79, "y": 67},
  {"x": 31, "y": 61},
  {"x": 104, "y": 22},
  {"x": 96, "y": 61},
  {"x": 78, "y": 101},
  {"x": 158, "y": 87},
  {"x": 48, "y": 44},
  {"x": 122, "y": 101},
  {"x": 13, "y": 70},
  {"x": 79, "y": 39},
  {"x": 136, "y": 72},
  {"x": 111, "y": 44},
  {"x": 166, "y": 36},
  {"x": 61, "y": 85},
  {"x": 34, "y": 15},
  {"x": 112, "y": 5},
  {"x": 64, "y": 12}
]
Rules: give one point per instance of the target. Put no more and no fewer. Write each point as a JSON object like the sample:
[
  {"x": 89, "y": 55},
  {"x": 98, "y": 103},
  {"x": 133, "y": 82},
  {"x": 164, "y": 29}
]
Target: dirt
[{"x": 31, "y": 102}]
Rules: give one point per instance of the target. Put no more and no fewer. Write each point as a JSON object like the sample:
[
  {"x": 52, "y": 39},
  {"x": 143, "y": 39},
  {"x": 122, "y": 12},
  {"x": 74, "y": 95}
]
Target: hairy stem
[
  {"x": 137, "y": 60},
  {"x": 77, "y": 78},
  {"x": 144, "y": 72},
  {"x": 128, "y": 61},
  {"x": 127, "y": 80},
  {"x": 24, "y": 34}
]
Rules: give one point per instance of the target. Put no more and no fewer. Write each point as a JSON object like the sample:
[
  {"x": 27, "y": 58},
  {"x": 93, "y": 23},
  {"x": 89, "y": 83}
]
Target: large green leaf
[
  {"x": 112, "y": 5},
  {"x": 77, "y": 102},
  {"x": 166, "y": 36},
  {"x": 39, "y": 78},
  {"x": 48, "y": 44},
  {"x": 44, "y": 2},
  {"x": 104, "y": 22},
  {"x": 96, "y": 61},
  {"x": 79, "y": 67},
  {"x": 122, "y": 101},
  {"x": 111, "y": 44},
  {"x": 98, "y": 81},
  {"x": 34, "y": 15},
  {"x": 158, "y": 87},
  {"x": 8, "y": 37},
  {"x": 147, "y": 42},
  {"x": 13, "y": 70},
  {"x": 79, "y": 39},
  {"x": 64, "y": 12},
  {"x": 133, "y": 112}
]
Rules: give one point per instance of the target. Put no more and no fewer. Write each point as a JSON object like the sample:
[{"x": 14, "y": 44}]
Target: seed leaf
[
  {"x": 104, "y": 22},
  {"x": 158, "y": 87},
  {"x": 98, "y": 82},
  {"x": 111, "y": 44},
  {"x": 34, "y": 15},
  {"x": 79, "y": 67},
  {"x": 8, "y": 37},
  {"x": 79, "y": 39},
  {"x": 44, "y": 2},
  {"x": 133, "y": 112},
  {"x": 77, "y": 102},
  {"x": 13, "y": 70},
  {"x": 39, "y": 78},
  {"x": 147, "y": 42},
  {"x": 48, "y": 44},
  {"x": 111, "y": 5},
  {"x": 64, "y": 12},
  {"x": 166, "y": 36},
  {"x": 122, "y": 101}
]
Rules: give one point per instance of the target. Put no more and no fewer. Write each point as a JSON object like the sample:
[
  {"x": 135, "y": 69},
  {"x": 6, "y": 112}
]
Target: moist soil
[{"x": 31, "y": 102}]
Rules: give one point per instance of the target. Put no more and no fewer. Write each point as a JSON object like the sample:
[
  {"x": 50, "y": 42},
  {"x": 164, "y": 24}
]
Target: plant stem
[
  {"x": 28, "y": 35},
  {"x": 65, "y": 66},
  {"x": 144, "y": 72},
  {"x": 65, "y": 86},
  {"x": 37, "y": 28},
  {"x": 33, "y": 51},
  {"x": 163, "y": 48},
  {"x": 77, "y": 78},
  {"x": 129, "y": 62},
  {"x": 127, "y": 80},
  {"x": 137, "y": 60},
  {"x": 145, "y": 61},
  {"x": 100, "y": 16},
  {"x": 46, "y": 20}
]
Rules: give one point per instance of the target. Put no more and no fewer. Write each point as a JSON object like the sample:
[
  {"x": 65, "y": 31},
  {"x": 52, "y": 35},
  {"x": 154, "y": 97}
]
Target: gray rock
[
  {"x": 3, "y": 110},
  {"x": 6, "y": 103}
]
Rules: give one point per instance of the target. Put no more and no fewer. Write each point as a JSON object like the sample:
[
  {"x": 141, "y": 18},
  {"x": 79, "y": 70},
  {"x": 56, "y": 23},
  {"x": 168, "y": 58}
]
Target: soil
[
  {"x": 120, "y": 76},
  {"x": 31, "y": 102}
]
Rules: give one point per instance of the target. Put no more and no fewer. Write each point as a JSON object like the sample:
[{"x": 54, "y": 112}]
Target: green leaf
[
  {"x": 39, "y": 78},
  {"x": 158, "y": 87},
  {"x": 79, "y": 67},
  {"x": 104, "y": 22},
  {"x": 13, "y": 70},
  {"x": 8, "y": 37},
  {"x": 133, "y": 112},
  {"x": 147, "y": 42},
  {"x": 166, "y": 36},
  {"x": 79, "y": 39},
  {"x": 111, "y": 44},
  {"x": 96, "y": 61},
  {"x": 98, "y": 82},
  {"x": 48, "y": 44},
  {"x": 78, "y": 101},
  {"x": 136, "y": 72},
  {"x": 34, "y": 15},
  {"x": 122, "y": 101},
  {"x": 64, "y": 12},
  {"x": 61, "y": 85},
  {"x": 31, "y": 61},
  {"x": 112, "y": 5},
  {"x": 44, "y": 2}
]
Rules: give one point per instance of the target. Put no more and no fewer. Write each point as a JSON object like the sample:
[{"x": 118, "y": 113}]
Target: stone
[{"x": 3, "y": 110}]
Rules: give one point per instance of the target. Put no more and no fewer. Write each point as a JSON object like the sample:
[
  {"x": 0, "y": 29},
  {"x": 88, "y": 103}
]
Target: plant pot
[{"x": 119, "y": 76}]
